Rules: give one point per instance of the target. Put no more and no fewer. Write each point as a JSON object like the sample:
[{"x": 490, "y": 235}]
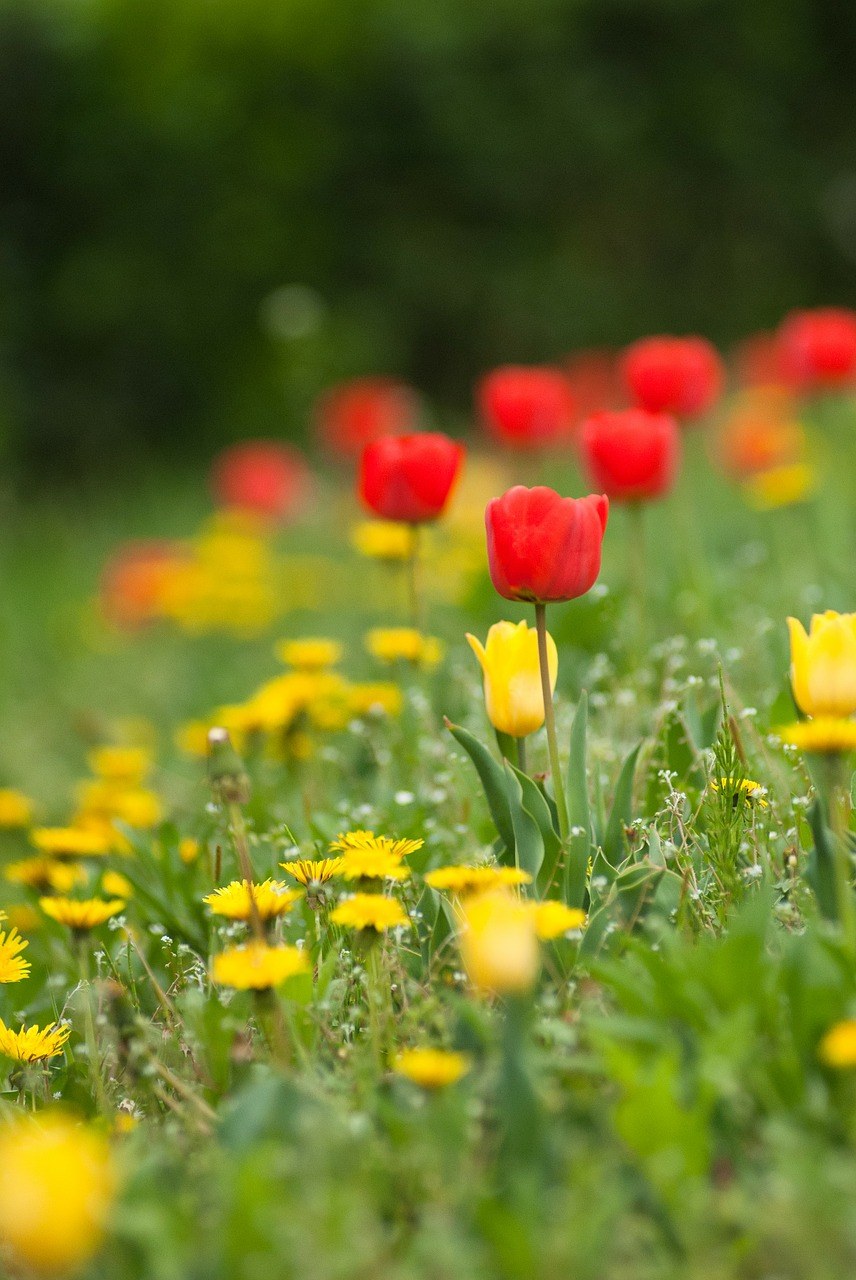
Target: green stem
[
  {"x": 242, "y": 846},
  {"x": 521, "y": 754},
  {"x": 550, "y": 721}
]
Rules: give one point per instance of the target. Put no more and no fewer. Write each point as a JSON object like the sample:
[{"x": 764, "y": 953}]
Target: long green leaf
[
  {"x": 495, "y": 782},
  {"x": 528, "y": 842},
  {"x": 621, "y": 813},
  {"x": 535, "y": 804}
]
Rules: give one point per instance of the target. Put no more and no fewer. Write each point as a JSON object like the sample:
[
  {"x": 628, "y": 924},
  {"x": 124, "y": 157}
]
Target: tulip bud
[
  {"x": 499, "y": 945},
  {"x": 823, "y": 664},
  {"x": 512, "y": 677}
]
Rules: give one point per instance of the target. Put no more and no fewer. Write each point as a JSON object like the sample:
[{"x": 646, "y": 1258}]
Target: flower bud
[{"x": 512, "y": 677}]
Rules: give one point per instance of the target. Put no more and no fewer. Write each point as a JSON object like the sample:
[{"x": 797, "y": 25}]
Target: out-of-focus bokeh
[{"x": 211, "y": 210}]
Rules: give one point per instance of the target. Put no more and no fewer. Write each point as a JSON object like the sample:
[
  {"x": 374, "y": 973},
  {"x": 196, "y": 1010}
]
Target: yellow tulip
[
  {"x": 499, "y": 944},
  {"x": 823, "y": 664},
  {"x": 512, "y": 677}
]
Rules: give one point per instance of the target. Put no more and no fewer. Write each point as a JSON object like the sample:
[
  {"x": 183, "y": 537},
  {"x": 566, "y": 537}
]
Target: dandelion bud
[{"x": 229, "y": 780}]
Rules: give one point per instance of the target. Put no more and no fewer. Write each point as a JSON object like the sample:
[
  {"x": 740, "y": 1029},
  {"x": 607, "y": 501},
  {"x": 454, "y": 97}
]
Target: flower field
[{"x": 429, "y": 854}]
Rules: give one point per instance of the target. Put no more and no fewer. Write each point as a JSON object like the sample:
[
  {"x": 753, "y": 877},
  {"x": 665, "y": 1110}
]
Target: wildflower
[
  {"x": 191, "y": 738},
  {"x": 825, "y": 735},
  {"x": 838, "y": 1046},
  {"x": 12, "y": 967},
  {"x": 370, "y": 911},
  {"x": 368, "y": 842},
  {"x": 45, "y": 874},
  {"x": 308, "y": 871},
  {"x": 265, "y": 477},
  {"x": 526, "y": 407},
  {"x": 384, "y": 540},
  {"x": 462, "y": 879},
  {"x": 257, "y": 966},
  {"x": 372, "y": 864},
  {"x": 70, "y": 842},
  {"x": 117, "y": 885},
  {"x": 57, "y": 1183},
  {"x": 409, "y": 478},
  {"x": 374, "y": 699},
  {"x": 81, "y": 914},
  {"x": 125, "y": 766},
  {"x": 271, "y": 898},
  {"x": 631, "y": 454},
  {"x": 741, "y": 788},
  {"x": 512, "y": 676},
  {"x": 431, "y": 1068},
  {"x": 553, "y": 919},
  {"x": 823, "y": 664},
  {"x": 309, "y": 654},
  {"x": 188, "y": 849},
  {"x": 542, "y": 547},
  {"x": 781, "y": 486},
  {"x": 33, "y": 1044},
  {"x": 683, "y": 376},
  {"x": 351, "y": 415},
  {"x": 16, "y": 809},
  {"x": 404, "y": 644},
  {"x": 499, "y": 945}
]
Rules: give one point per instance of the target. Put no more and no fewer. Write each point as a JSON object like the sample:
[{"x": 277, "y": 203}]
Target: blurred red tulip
[
  {"x": 409, "y": 478},
  {"x": 134, "y": 580},
  {"x": 593, "y": 378},
  {"x": 263, "y": 476},
  {"x": 350, "y": 416},
  {"x": 758, "y": 361},
  {"x": 526, "y": 406},
  {"x": 683, "y": 376},
  {"x": 542, "y": 547},
  {"x": 819, "y": 347},
  {"x": 631, "y": 454}
]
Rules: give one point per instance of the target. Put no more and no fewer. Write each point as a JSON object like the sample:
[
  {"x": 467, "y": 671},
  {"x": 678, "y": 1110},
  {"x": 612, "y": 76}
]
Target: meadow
[{"x": 324, "y": 973}]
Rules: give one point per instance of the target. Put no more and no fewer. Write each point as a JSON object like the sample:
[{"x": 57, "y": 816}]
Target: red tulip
[
  {"x": 350, "y": 416},
  {"x": 134, "y": 581},
  {"x": 409, "y": 478},
  {"x": 526, "y": 406},
  {"x": 683, "y": 376},
  {"x": 542, "y": 547},
  {"x": 819, "y": 347},
  {"x": 631, "y": 454},
  {"x": 263, "y": 476}
]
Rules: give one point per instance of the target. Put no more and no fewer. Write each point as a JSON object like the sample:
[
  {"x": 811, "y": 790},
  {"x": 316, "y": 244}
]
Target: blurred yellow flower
[
  {"x": 431, "y": 1068},
  {"x": 272, "y": 898},
  {"x": 310, "y": 871},
  {"x": 462, "y": 879},
  {"x": 368, "y": 842},
  {"x": 553, "y": 919},
  {"x": 825, "y": 735},
  {"x": 191, "y": 738},
  {"x": 117, "y": 885},
  {"x": 499, "y": 945},
  {"x": 370, "y": 911},
  {"x": 188, "y": 849},
  {"x": 81, "y": 914},
  {"x": 372, "y": 864},
  {"x": 16, "y": 809},
  {"x": 45, "y": 874},
  {"x": 384, "y": 540},
  {"x": 781, "y": 486},
  {"x": 126, "y": 766},
  {"x": 309, "y": 654},
  {"x": 838, "y": 1046},
  {"x": 57, "y": 1184},
  {"x": 33, "y": 1044},
  {"x": 375, "y": 699},
  {"x": 404, "y": 644},
  {"x": 257, "y": 966},
  {"x": 512, "y": 676},
  {"x": 70, "y": 842},
  {"x": 823, "y": 664}
]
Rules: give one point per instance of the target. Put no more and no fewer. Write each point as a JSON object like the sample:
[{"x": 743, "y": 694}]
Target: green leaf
[
  {"x": 495, "y": 782},
  {"x": 621, "y": 814},
  {"x": 528, "y": 841},
  {"x": 820, "y": 871},
  {"x": 536, "y": 805}
]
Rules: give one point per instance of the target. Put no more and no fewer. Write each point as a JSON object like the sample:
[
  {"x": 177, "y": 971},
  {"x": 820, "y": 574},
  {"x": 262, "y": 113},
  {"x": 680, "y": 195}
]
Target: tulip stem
[
  {"x": 521, "y": 754},
  {"x": 839, "y": 806},
  {"x": 550, "y": 721}
]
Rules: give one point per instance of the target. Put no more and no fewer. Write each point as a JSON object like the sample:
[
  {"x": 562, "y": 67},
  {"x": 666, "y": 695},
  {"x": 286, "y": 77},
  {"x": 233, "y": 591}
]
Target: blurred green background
[{"x": 211, "y": 209}]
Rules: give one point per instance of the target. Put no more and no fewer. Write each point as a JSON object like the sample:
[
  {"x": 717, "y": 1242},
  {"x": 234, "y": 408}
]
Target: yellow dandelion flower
[
  {"x": 272, "y": 898},
  {"x": 117, "y": 885},
  {"x": 372, "y": 864},
  {"x": 553, "y": 919},
  {"x": 123, "y": 765},
  {"x": 57, "y": 1182},
  {"x": 309, "y": 654},
  {"x": 310, "y": 871},
  {"x": 741, "y": 789},
  {"x": 384, "y": 540},
  {"x": 33, "y": 1044},
  {"x": 70, "y": 842},
  {"x": 404, "y": 644},
  {"x": 462, "y": 879},
  {"x": 16, "y": 809},
  {"x": 45, "y": 874},
  {"x": 368, "y": 842},
  {"x": 370, "y": 911},
  {"x": 257, "y": 966},
  {"x": 12, "y": 967},
  {"x": 25, "y": 917},
  {"x": 824, "y": 735},
  {"x": 838, "y": 1046},
  {"x": 375, "y": 699},
  {"x": 188, "y": 849},
  {"x": 80, "y": 914},
  {"x": 431, "y": 1068}
]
